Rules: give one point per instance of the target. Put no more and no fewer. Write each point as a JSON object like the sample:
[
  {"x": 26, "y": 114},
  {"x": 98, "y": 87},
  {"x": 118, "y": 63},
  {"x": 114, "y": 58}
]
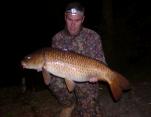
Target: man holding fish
[
  {"x": 74, "y": 64},
  {"x": 84, "y": 41}
]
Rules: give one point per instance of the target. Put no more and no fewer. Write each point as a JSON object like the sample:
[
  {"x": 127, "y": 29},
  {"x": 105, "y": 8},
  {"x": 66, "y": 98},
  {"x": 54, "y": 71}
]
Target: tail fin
[{"x": 118, "y": 83}]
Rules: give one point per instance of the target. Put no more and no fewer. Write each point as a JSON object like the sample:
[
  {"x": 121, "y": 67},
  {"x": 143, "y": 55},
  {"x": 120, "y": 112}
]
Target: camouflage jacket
[{"x": 87, "y": 42}]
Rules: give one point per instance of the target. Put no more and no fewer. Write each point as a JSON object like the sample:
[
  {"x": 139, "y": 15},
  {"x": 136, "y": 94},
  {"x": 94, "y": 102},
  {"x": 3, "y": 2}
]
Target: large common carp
[{"x": 74, "y": 67}]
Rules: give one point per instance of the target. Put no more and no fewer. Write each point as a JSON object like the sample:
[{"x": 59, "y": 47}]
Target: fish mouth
[{"x": 23, "y": 64}]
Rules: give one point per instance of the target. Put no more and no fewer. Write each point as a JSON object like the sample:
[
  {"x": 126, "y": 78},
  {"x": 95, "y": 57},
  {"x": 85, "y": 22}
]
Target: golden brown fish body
[{"x": 75, "y": 67}]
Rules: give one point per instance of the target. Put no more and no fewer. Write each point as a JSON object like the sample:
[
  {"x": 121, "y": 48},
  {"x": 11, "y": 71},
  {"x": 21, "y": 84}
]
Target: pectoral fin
[
  {"x": 46, "y": 76},
  {"x": 70, "y": 85}
]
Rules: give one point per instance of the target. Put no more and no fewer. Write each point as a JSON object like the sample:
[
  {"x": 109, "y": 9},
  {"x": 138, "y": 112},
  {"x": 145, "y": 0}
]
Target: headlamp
[{"x": 75, "y": 11}]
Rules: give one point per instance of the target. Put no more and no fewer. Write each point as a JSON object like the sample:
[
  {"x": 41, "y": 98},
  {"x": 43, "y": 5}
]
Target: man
[{"x": 74, "y": 37}]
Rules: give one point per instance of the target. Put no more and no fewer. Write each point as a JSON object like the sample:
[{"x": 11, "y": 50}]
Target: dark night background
[{"x": 29, "y": 25}]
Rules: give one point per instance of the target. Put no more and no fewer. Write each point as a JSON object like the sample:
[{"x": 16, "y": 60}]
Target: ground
[{"x": 41, "y": 103}]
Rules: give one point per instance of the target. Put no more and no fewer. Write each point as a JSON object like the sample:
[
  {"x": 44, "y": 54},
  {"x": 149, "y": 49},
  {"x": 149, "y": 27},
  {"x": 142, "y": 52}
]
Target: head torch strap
[{"x": 74, "y": 11}]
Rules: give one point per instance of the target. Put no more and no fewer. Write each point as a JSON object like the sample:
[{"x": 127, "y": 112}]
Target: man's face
[{"x": 73, "y": 23}]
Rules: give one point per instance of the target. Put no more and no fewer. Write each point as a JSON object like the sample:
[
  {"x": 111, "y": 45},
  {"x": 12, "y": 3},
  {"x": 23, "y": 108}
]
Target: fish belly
[{"x": 67, "y": 71}]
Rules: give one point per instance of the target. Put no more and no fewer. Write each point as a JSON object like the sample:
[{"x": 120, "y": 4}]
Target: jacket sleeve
[{"x": 96, "y": 48}]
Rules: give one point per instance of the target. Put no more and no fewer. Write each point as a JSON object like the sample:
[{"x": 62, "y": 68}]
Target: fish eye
[{"x": 28, "y": 57}]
